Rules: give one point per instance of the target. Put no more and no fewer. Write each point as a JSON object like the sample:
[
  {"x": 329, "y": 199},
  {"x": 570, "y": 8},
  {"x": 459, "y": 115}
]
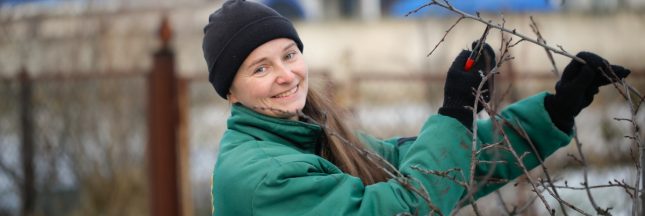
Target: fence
[{"x": 83, "y": 142}]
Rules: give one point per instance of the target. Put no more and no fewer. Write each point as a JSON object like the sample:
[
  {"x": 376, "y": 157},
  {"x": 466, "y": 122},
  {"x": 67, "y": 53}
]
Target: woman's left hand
[
  {"x": 460, "y": 84},
  {"x": 577, "y": 87}
]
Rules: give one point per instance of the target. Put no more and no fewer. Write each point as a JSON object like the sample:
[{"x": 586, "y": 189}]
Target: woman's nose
[{"x": 285, "y": 75}]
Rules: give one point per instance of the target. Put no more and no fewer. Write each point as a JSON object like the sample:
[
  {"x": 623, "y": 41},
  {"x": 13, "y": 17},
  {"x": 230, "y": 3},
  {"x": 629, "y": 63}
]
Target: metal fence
[{"x": 73, "y": 146}]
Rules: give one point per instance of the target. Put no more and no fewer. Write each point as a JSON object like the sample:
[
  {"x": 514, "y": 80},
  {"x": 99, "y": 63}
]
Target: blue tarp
[
  {"x": 402, "y": 7},
  {"x": 17, "y": 2},
  {"x": 289, "y": 8}
]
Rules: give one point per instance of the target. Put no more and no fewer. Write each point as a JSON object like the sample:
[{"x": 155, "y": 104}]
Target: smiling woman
[
  {"x": 273, "y": 76},
  {"x": 286, "y": 151},
  {"x": 255, "y": 61}
]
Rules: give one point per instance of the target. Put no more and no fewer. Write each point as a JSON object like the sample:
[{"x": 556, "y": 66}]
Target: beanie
[{"x": 233, "y": 32}]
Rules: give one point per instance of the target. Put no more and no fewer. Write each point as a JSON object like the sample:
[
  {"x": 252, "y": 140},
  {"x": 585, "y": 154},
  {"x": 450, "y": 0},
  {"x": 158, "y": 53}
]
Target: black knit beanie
[{"x": 233, "y": 32}]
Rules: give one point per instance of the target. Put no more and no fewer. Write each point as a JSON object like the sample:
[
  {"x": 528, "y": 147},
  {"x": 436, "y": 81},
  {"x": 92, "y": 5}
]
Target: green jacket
[{"x": 267, "y": 166}]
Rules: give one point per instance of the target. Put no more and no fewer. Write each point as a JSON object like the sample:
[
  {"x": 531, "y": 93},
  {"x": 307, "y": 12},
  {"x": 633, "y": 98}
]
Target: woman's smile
[{"x": 288, "y": 93}]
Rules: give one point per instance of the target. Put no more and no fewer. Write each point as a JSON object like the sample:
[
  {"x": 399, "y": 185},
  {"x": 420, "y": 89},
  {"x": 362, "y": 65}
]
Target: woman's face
[{"x": 273, "y": 78}]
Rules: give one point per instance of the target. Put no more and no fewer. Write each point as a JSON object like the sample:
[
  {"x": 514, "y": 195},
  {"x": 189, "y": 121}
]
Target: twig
[
  {"x": 516, "y": 210},
  {"x": 599, "y": 210},
  {"x": 444, "y": 36},
  {"x": 419, "y": 8},
  {"x": 575, "y": 158},
  {"x": 443, "y": 174},
  {"x": 516, "y": 43},
  {"x": 640, "y": 172},
  {"x": 613, "y": 78},
  {"x": 626, "y": 187},
  {"x": 536, "y": 30},
  {"x": 490, "y": 146},
  {"x": 523, "y": 208},
  {"x": 492, "y": 162},
  {"x": 501, "y": 200},
  {"x": 623, "y": 119}
]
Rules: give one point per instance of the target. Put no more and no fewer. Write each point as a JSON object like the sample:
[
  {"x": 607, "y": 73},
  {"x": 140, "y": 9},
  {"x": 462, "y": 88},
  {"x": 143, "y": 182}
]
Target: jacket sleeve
[
  {"x": 531, "y": 116},
  {"x": 388, "y": 149},
  {"x": 318, "y": 188}
]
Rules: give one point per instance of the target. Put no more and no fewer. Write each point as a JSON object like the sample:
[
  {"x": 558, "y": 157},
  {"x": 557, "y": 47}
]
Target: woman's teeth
[{"x": 288, "y": 93}]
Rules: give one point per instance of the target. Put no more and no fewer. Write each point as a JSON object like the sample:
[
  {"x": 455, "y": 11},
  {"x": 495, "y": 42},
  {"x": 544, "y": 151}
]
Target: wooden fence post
[
  {"x": 167, "y": 139},
  {"x": 27, "y": 148}
]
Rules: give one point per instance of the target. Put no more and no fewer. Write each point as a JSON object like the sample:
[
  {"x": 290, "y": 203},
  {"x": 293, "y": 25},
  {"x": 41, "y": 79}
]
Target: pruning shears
[{"x": 474, "y": 56}]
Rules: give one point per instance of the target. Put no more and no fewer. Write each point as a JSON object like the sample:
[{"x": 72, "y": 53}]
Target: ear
[{"x": 231, "y": 98}]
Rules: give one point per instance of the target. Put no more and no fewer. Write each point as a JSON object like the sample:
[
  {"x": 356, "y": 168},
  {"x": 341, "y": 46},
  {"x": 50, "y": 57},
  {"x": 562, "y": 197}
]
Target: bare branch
[
  {"x": 625, "y": 186},
  {"x": 419, "y": 8},
  {"x": 443, "y": 174},
  {"x": 515, "y": 44},
  {"x": 446, "y": 5},
  {"x": 599, "y": 210},
  {"x": 490, "y": 146},
  {"x": 536, "y": 30},
  {"x": 444, "y": 36},
  {"x": 575, "y": 159}
]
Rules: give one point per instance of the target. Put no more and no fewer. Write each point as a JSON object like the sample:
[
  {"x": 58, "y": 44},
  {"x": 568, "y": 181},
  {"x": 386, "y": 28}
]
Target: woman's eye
[
  {"x": 290, "y": 56},
  {"x": 260, "y": 69}
]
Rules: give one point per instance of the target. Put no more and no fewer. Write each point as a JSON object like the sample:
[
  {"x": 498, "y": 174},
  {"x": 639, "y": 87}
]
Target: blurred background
[{"x": 105, "y": 106}]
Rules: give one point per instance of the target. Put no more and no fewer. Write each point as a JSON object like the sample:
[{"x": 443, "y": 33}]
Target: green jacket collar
[{"x": 302, "y": 135}]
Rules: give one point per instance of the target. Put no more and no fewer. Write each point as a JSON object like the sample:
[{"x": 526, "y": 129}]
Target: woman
[{"x": 286, "y": 151}]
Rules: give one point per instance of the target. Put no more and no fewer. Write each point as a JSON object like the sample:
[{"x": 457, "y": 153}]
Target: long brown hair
[{"x": 340, "y": 145}]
